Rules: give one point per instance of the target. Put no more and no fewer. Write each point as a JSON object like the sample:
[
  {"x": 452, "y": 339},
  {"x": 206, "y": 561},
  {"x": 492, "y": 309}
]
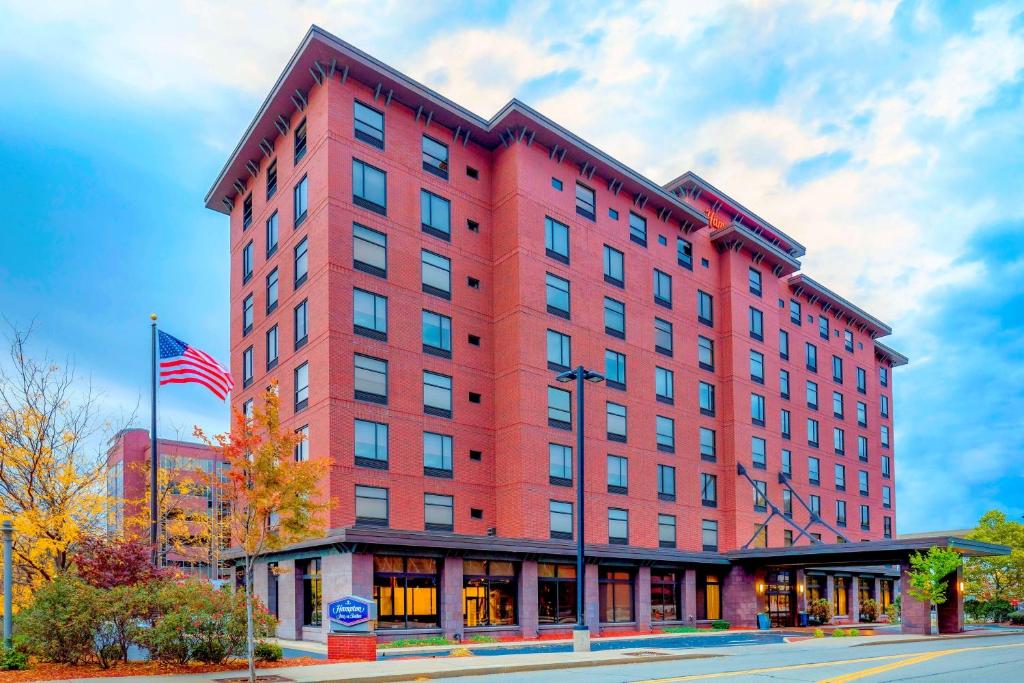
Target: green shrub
[
  {"x": 12, "y": 660},
  {"x": 820, "y": 611},
  {"x": 417, "y": 642},
  {"x": 838, "y": 633},
  {"x": 870, "y": 610},
  {"x": 1017, "y": 618},
  {"x": 720, "y": 625},
  {"x": 853, "y": 632},
  {"x": 998, "y": 610},
  {"x": 60, "y": 622},
  {"x": 268, "y": 652},
  {"x": 818, "y": 633},
  {"x": 482, "y": 638},
  {"x": 681, "y": 629}
]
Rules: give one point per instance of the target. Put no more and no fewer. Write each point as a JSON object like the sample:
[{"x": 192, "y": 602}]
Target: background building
[{"x": 414, "y": 276}]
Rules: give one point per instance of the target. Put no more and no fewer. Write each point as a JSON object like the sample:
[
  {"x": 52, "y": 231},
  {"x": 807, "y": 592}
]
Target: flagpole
[{"x": 153, "y": 458}]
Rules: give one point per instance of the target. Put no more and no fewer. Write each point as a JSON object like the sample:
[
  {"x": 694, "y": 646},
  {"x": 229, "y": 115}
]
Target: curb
[{"x": 949, "y": 636}]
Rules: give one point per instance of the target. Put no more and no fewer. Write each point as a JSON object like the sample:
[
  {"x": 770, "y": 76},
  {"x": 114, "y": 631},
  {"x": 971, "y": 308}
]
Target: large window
[
  {"x": 663, "y": 336},
  {"x": 705, "y": 308},
  {"x": 618, "y": 526},
  {"x": 370, "y": 379},
  {"x": 272, "y": 291},
  {"x": 300, "y": 261},
  {"x": 837, "y": 404},
  {"x": 783, "y": 345},
  {"x": 247, "y": 367},
  {"x": 616, "y": 421},
  {"x": 837, "y": 369},
  {"x": 618, "y": 474},
  {"x": 637, "y": 229},
  {"x": 436, "y": 274},
  {"x": 812, "y": 395},
  {"x": 615, "y": 318},
  {"x": 615, "y": 369},
  {"x": 664, "y": 385},
  {"x": 705, "y": 353},
  {"x": 557, "y": 295},
  {"x": 707, "y": 444},
  {"x": 842, "y": 595},
  {"x": 615, "y": 595},
  {"x": 300, "y": 140},
  {"x": 435, "y": 215},
  {"x": 662, "y": 289},
  {"x": 437, "y": 455},
  {"x": 369, "y": 250},
  {"x": 559, "y": 464},
  {"x": 247, "y": 261},
  {"x": 666, "y": 482},
  {"x": 812, "y": 356},
  {"x": 586, "y": 204},
  {"x": 666, "y": 532},
  {"x": 665, "y": 429},
  {"x": 757, "y": 366},
  {"x": 312, "y": 593},
  {"x": 756, "y": 324},
  {"x": 438, "y": 512},
  {"x": 754, "y": 281},
  {"x": 435, "y": 157},
  {"x": 709, "y": 535},
  {"x": 301, "y": 386},
  {"x": 369, "y": 125},
  {"x": 684, "y": 253},
  {"x": 560, "y": 519},
  {"x": 812, "y": 432},
  {"x": 709, "y": 490},
  {"x": 273, "y": 233},
  {"x": 757, "y": 452},
  {"x": 556, "y": 241},
  {"x": 301, "y": 201},
  {"x": 371, "y": 444},
  {"x": 371, "y": 506},
  {"x": 556, "y": 593},
  {"x": 406, "y": 591},
  {"x": 488, "y": 593},
  {"x": 613, "y": 268},
  {"x": 370, "y": 314},
  {"x": 437, "y": 334},
  {"x": 794, "y": 312},
  {"x": 369, "y": 187},
  {"x": 559, "y": 350},
  {"x": 437, "y": 394},
  {"x": 707, "y": 399},
  {"x": 248, "y": 313},
  {"x": 301, "y": 323},
  {"x": 757, "y": 409},
  {"x": 709, "y": 596},
  {"x": 813, "y": 470},
  {"x": 559, "y": 414}
]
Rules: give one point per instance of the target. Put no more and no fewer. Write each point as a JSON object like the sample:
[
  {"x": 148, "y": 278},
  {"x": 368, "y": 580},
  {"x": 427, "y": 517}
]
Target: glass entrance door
[{"x": 780, "y": 592}]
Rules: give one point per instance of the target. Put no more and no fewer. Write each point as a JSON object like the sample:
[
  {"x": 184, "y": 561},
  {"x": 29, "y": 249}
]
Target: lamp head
[
  {"x": 592, "y": 376},
  {"x": 567, "y": 376}
]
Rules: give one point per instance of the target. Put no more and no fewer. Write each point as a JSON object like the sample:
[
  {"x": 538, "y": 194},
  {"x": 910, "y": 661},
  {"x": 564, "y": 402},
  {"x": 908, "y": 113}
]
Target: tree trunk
[{"x": 250, "y": 646}]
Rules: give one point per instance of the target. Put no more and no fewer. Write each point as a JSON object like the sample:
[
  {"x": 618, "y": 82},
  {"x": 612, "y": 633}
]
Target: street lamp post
[
  {"x": 8, "y": 532},
  {"x": 580, "y": 634}
]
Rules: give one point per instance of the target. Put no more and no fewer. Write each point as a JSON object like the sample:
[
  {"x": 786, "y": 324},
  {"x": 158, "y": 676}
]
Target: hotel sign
[
  {"x": 351, "y": 611},
  {"x": 714, "y": 220}
]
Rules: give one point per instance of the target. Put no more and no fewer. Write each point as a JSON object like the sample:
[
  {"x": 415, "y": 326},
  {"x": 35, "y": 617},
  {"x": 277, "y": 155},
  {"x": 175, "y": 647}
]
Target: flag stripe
[
  {"x": 186, "y": 380},
  {"x": 181, "y": 363},
  {"x": 190, "y": 371}
]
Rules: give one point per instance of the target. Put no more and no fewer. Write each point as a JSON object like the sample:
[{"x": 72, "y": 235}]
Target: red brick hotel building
[{"x": 414, "y": 276}]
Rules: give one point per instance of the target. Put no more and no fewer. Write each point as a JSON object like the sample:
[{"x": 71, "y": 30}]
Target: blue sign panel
[{"x": 349, "y": 611}]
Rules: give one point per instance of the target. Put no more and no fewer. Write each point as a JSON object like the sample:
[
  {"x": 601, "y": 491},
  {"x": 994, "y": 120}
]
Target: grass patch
[
  {"x": 682, "y": 629},
  {"x": 416, "y": 642},
  {"x": 482, "y": 638}
]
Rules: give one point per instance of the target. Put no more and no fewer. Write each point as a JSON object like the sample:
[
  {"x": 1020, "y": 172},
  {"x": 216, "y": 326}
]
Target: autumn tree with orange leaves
[{"x": 274, "y": 500}]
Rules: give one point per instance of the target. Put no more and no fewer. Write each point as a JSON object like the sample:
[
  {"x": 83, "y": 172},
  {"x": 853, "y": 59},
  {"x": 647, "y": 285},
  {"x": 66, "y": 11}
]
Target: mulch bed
[{"x": 45, "y": 671}]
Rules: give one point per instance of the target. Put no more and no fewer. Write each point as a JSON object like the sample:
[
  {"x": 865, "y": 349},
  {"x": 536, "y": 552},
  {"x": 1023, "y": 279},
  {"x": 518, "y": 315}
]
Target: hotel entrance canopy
[{"x": 888, "y": 552}]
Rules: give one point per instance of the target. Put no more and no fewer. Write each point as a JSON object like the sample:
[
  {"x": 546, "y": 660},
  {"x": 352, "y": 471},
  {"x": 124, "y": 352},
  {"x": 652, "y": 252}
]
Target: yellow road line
[
  {"x": 875, "y": 670},
  {"x": 770, "y": 669}
]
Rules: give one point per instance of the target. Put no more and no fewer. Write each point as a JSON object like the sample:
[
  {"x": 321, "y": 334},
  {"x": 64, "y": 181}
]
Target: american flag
[{"x": 181, "y": 363}]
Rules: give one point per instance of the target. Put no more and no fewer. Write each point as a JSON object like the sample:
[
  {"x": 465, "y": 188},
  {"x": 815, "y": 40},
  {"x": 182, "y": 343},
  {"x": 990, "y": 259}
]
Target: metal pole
[
  {"x": 153, "y": 458},
  {"x": 8, "y": 532},
  {"x": 580, "y": 624}
]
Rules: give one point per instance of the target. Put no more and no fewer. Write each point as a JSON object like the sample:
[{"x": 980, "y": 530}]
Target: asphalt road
[{"x": 992, "y": 659}]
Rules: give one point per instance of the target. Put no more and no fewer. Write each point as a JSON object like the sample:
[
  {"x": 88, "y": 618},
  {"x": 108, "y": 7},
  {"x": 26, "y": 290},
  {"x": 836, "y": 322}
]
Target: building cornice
[
  {"x": 814, "y": 291},
  {"x": 738, "y": 236},
  {"x": 890, "y": 355}
]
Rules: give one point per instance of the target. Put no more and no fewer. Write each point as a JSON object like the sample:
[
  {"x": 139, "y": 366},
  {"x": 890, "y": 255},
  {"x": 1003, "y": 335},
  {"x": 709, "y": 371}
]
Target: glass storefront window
[
  {"x": 488, "y": 593},
  {"x": 405, "y": 589},
  {"x": 709, "y": 596},
  {"x": 312, "y": 594},
  {"x": 815, "y": 587},
  {"x": 886, "y": 592},
  {"x": 842, "y": 595},
  {"x": 616, "y": 595},
  {"x": 556, "y": 593},
  {"x": 664, "y": 595}
]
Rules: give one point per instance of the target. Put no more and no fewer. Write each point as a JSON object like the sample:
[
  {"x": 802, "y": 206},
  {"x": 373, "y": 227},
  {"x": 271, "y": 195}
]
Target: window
[
  {"x": 886, "y": 467},
  {"x": 371, "y": 444},
  {"x": 559, "y": 351},
  {"x": 885, "y": 436},
  {"x": 406, "y": 590},
  {"x": 370, "y": 379},
  {"x": 247, "y": 212},
  {"x": 614, "y": 272},
  {"x": 862, "y": 381},
  {"x": 663, "y": 337},
  {"x": 848, "y": 340},
  {"x": 559, "y": 464},
  {"x": 272, "y": 291},
  {"x": 666, "y": 539},
  {"x": 705, "y": 308},
  {"x": 300, "y": 141},
  {"x": 371, "y": 506},
  {"x": 369, "y": 250},
  {"x": 585, "y": 202},
  {"x": 301, "y": 386},
  {"x": 837, "y": 404},
  {"x": 613, "y": 214},
  {"x": 272, "y": 234},
  {"x": 556, "y": 240},
  {"x": 489, "y": 593},
  {"x": 616, "y": 421},
  {"x": 637, "y": 229},
  {"x": 435, "y": 215},
  {"x": 787, "y": 503},
  {"x": 814, "y": 503},
  {"x": 887, "y": 527},
  {"x": 615, "y": 592},
  {"x": 618, "y": 526},
  {"x": 272, "y": 589},
  {"x": 272, "y": 348},
  {"x": 437, "y": 455},
  {"x": 706, "y": 353},
  {"x": 438, "y": 512},
  {"x": 787, "y": 534},
  {"x": 247, "y": 367},
  {"x": 783, "y": 345},
  {"x": 812, "y": 432},
  {"x": 757, "y": 367},
  {"x": 301, "y": 201},
  {"x": 247, "y": 262},
  {"x": 615, "y": 318},
  {"x": 556, "y": 183},
  {"x": 436, "y": 274},
  {"x": 784, "y": 383},
  {"x": 839, "y": 440},
  {"x": 708, "y": 490},
  {"x": 556, "y": 592},
  {"x": 883, "y": 376},
  {"x": 437, "y": 334},
  {"x": 812, "y": 357},
  {"x": 862, "y": 448},
  {"x": 758, "y": 453},
  {"x": 840, "y": 472},
  {"x": 560, "y": 519},
  {"x": 841, "y": 512},
  {"x": 754, "y": 281},
  {"x": 757, "y": 409},
  {"x": 666, "y": 433},
  {"x": 615, "y": 369},
  {"x": 886, "y": 497},
  {"x": 312, "y": 592},
  {"x": 662, "y": 289},
  {"x": 247, "y": 314},
  {"x": 300, "y": 317},
  {"x": 437, "y": 394},
  {"x": 823, "y": 327},
  {"x": 760, "y": 495},
  {"x": 862, "y": 414},
  {"x": 435, "y": 157},
  {"x": 794, "y": 312},
  {"x": 787, "y": 462},
  {"x": 369, "y": 125},
  {"x": 813, "y": 471},
  {"x": 558, "y": 408},
  {"x": 812, "y": 395},
  {"x": 300, "y": 262},
  {"x": 784, "y": 424},
  {"x": 369, "y": 187},
  {"x": 370, "y": 314},
  {"x": 666, "y": 482},
  {"x": 756, "y": 324},
  {"x": 664, "y": 385},
  {"x": 707, "y": 444},
  {"x": 883, "y": 403},
  {"x": 684, "y": 253},
  {"x": 557, "y": 293},
  {"x": 837, "y": 369},
  {"x": 707, "y": 399},
  {"x": 709, "y": 535},
  {"x": 862, "y": 482},
  {"x": 618, "y": 474}
]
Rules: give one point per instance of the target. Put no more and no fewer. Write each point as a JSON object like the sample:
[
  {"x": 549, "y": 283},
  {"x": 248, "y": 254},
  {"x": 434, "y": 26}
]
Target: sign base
[{"x": 353, "y": 647}]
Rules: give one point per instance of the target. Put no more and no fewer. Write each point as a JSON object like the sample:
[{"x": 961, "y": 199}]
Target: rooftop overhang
[
  {"x": 891, "y": 356},
  {"x": 361, "y": 539},
  {"x": 838, "y": 306},
  {"x": 322, "y": 56},
  {"x": 868, "y": 553},
  {"x": 692, "y": 187},
  {"x": 738, "y": 237}
]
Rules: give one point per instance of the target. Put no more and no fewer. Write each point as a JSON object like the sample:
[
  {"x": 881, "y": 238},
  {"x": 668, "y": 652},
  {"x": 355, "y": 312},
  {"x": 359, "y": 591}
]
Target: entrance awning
[{"x": 891, "y": 551}]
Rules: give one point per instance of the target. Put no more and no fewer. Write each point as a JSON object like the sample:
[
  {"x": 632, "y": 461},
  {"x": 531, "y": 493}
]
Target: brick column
[
  {"x": 592, "y": 600},
  {"x": 336, "y": 578},
  {"x": 451, "y": 597},
  {"x": 916, "y": 615},
  {"x": 951, "y": 612},
  {"x": 739, "y": 596},
  {"x": 642, "y": 602},
  {"x": 362, "y": 575},
  {"x": 528, "y": 598},
  {"x": 830, "y": 590},
  {"x": 854, "y": 600},
  {"x": 289, "y": 601},
  {"x": 689, "y": 614}
]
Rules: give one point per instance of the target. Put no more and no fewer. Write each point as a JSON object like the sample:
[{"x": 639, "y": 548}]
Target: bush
[
  {"x": 893, "y": 611},
  {"x": 268, "y": 652},
  {"x": 720, "y": 625},
  {"x": 838, "y": 633},
  {"x": 853, "y": 632},
  {"x": 481, "y": 638},
  {"x": 870, "y": 610},
  {"x": 1017, "y": 618},
  {"x": 12, "y": 660},
  {"x": 818, "y": 633},
  {"x": 60, "y": 622},
  {"x": 820, "y": 611},
  {"x": 998, "y": 610}
]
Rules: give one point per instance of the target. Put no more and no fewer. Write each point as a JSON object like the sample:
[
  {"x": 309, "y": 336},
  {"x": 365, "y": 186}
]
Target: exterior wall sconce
[
  {"x": 760, "y": 587},
  {"x": 961, "y": 586},
  {"x": 799, "y": 588}
]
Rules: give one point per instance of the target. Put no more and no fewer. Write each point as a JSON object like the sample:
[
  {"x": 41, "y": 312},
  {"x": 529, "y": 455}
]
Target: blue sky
[{"x": 886, "y": 137}]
